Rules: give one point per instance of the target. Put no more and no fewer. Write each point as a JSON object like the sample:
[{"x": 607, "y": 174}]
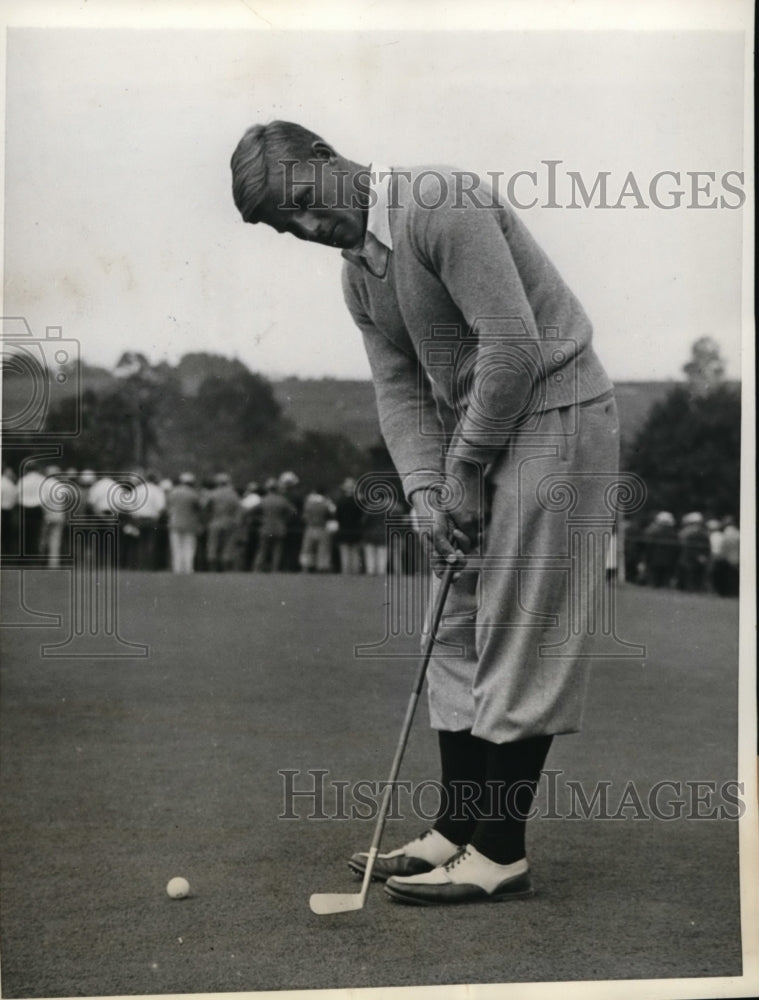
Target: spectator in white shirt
[
  {"x": 30, "y": 509},
  {"x": 726, "y": 568},
  {"x": 147, "y": 518},
  {"x": 9, "y": 520},
  {"x": 250, "y": 504},
  {"x": 54, "y": 517},
  {"x": 102, "y": 496}
]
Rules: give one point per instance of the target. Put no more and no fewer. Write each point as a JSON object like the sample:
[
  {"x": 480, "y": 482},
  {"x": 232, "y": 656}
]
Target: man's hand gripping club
[{"x": 448, "y": 517}]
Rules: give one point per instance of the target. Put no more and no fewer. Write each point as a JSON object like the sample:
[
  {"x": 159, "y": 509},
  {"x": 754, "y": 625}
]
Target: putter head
[{"x": 336, "y": 902}]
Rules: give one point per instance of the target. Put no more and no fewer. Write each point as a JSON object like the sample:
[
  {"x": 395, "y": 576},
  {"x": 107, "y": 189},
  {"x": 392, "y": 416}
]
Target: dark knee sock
[
  {"x": 463, "y": 759},
  {"x": 512, "y": 772}
]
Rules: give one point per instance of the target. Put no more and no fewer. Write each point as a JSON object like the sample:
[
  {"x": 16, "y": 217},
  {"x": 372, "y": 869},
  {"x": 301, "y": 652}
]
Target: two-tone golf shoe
[
  {"x": 468, "y": 877},
  {"x": 423, "y": 854}
]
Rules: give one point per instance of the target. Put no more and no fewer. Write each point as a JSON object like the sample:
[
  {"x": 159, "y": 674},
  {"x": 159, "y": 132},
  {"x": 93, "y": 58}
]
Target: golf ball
[{"x": 178, "y": 888}]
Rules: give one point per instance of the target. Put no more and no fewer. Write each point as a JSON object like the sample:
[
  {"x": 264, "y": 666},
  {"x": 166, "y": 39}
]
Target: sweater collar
[{"x": 378, "y": 241}]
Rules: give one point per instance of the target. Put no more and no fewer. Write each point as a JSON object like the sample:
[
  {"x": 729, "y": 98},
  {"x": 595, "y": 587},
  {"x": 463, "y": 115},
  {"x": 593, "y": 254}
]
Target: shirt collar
[{"x": 378, "y": 240}]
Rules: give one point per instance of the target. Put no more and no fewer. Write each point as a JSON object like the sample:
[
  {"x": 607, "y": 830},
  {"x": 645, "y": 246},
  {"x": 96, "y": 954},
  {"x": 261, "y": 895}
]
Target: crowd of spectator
[
  {"x": 699, "y": 555},
  {"x": 189, "y": 526}
]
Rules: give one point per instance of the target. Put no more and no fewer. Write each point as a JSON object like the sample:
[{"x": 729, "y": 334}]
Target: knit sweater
[{"x": 469, "y": 331}]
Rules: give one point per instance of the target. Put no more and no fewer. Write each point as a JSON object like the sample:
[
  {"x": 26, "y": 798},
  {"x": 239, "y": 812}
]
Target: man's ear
[{"x": 322, "y": 150}]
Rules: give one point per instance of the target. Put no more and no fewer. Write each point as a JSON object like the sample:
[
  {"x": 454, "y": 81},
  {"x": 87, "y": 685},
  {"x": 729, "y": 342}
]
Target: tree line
[
  {"x": 209, "y": 413},
  {"x": 688, "y": 450}
]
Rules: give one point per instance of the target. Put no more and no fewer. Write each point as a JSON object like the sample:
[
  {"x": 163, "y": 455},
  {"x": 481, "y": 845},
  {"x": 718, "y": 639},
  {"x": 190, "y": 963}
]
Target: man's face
[{"x": 314, "y": 200}]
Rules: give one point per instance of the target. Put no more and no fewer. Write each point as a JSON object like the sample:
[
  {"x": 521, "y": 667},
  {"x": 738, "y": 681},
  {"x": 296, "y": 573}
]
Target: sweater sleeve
[
  {"x": 499, "y": 369},
  {"x": 407, "y": 413}
]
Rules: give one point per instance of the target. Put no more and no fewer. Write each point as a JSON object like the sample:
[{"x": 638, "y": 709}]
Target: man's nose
[{"x": 308, "y": 227}]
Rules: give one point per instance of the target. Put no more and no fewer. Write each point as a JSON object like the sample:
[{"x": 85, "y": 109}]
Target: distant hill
[
  {"x": 348, "y": 407},
  {"x": 194, "y": 368},
  {"x": 23, "y": 401},
  {"x": 339, "y": 406}
]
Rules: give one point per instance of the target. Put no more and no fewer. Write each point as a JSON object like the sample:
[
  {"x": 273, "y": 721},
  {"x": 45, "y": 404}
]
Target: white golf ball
[{"x": 178, "y": 888}]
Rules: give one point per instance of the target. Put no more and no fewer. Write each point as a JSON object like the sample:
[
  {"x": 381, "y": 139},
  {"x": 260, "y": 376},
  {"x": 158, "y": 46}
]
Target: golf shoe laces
[{"x": 462, "y": 853}]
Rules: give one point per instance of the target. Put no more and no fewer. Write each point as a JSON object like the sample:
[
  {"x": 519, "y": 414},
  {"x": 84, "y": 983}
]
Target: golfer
[{"x": 492, "y": 402}]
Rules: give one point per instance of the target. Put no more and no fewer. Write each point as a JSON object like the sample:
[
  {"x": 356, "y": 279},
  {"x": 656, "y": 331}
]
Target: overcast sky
[{"x": 120, "y": 226}]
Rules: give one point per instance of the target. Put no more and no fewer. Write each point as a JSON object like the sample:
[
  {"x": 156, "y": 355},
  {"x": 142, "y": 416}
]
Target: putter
[{"x": 342, "y": 902}]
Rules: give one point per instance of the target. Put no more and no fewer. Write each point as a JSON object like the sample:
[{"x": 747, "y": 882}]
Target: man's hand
[
  {"x": 450, "y": 524},
  {"x": 441, "y": 537}
]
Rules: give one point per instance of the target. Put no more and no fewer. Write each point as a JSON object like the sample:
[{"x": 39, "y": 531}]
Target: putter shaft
[{"x": 324, "y": 903}]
